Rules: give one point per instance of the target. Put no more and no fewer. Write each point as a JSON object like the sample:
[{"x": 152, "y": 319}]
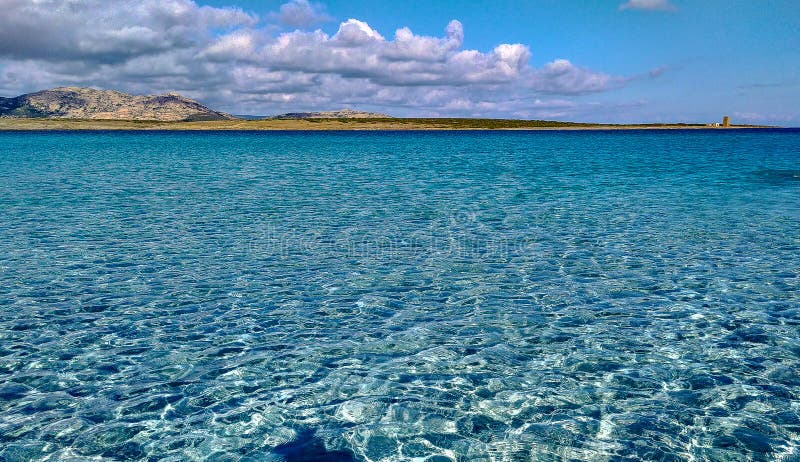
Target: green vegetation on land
[{"x": 324, "y": 124}]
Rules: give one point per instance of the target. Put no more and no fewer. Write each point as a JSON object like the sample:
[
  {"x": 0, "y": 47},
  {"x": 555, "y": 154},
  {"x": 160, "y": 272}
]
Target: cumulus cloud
[
  {"x": 563, "y": 77},
  {"x": 229, "y": 59},
  {"x": 301, "y": 14},
  {"x": 108, "y": 32},
  {"x": 648, "y": 5}
]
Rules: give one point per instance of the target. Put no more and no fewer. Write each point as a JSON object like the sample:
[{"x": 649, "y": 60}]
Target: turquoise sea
[{"x": 400, "y": 296}]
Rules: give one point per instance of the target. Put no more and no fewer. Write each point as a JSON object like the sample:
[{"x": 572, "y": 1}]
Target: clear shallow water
[{"x": 400, "y": 296}]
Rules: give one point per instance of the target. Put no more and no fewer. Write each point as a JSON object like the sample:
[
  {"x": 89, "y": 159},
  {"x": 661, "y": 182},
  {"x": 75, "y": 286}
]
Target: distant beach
[{"x": 340, "y": 124}]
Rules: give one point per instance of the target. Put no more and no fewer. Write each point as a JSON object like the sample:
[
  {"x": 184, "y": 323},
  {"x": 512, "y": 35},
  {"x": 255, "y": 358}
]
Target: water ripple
[{"x": 388, "y": 296}]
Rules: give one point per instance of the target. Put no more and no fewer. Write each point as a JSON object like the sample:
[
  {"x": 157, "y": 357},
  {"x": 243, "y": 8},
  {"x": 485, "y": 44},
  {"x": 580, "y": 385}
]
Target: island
[{"x": 75, "y": 108}]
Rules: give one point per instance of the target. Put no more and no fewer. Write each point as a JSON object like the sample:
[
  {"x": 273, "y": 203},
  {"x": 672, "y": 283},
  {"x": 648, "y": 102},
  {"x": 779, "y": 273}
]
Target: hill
[
  {"x": 340, "y": 114},
  {"x": 88, "y": 103}
]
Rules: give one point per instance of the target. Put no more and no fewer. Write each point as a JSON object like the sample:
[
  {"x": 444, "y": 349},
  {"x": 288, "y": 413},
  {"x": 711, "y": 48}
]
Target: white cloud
[
  {"x": 650, "y": 5},
  {"x": 356, "y": 33},
  {"x": 761, "y": 118},
  {"x": 226, "y": 58},
  {"x": 563, "y": 77},
  {"x": 107, "y": 32},
  {"x": 301, "y": 14}
]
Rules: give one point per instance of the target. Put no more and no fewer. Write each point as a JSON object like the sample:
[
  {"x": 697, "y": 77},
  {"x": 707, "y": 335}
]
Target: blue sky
[{"x": 604, "y": 61}]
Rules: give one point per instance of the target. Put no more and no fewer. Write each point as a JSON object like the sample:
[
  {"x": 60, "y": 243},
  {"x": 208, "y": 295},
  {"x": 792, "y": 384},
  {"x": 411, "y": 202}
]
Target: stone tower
[{"x": 726, "y": 121}]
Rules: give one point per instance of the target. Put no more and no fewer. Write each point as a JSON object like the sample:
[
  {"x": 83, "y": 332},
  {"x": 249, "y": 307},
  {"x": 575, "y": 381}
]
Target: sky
[{"x": 613, "y": 61}]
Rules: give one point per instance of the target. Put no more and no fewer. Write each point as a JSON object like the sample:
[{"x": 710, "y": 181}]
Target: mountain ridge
[{"x": 93, "y": 104}]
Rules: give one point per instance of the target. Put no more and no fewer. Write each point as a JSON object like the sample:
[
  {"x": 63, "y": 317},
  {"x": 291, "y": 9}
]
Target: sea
[{"x": 400, "y": 296}]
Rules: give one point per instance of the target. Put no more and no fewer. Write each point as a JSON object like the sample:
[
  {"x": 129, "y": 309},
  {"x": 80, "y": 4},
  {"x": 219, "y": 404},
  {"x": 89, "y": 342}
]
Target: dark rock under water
[
  {"x": 777, "y": 176},
  {"x": 307, "y": 447}
]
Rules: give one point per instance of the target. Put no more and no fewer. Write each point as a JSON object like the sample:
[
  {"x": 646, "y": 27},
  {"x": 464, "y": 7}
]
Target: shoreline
[{"x": 12, "y": 124}]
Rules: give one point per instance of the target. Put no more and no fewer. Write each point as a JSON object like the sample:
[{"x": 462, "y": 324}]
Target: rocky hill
[
  {"x": 341, "y": 114},
  {"x": 88, "y": 103}
]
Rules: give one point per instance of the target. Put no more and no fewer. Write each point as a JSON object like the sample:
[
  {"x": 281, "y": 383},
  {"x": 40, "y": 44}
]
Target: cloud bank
[{"x": 239, "y": 62}]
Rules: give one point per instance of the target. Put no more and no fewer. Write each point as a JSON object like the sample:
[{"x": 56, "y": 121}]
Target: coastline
[{"x": 14, "y": 124}]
